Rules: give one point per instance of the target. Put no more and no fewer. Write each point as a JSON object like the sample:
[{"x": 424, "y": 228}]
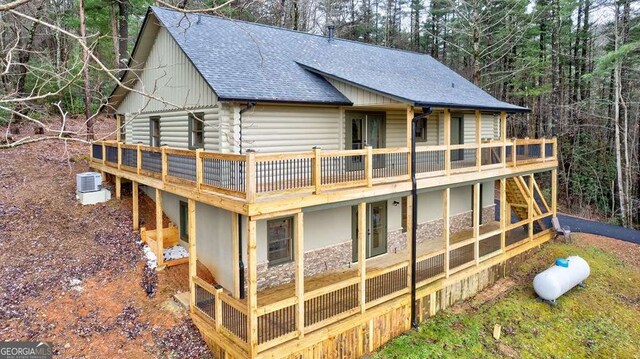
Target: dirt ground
[{"x": 76, "y": 275}]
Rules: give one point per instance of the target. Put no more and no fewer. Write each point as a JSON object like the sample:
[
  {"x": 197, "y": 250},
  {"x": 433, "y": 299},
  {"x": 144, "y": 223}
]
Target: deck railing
[{"x": 252, "y": 175}]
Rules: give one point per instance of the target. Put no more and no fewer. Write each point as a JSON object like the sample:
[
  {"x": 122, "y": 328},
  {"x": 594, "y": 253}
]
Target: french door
[
  {"x": 364, "y": 129},
  {"x": 376, "y": 228}
]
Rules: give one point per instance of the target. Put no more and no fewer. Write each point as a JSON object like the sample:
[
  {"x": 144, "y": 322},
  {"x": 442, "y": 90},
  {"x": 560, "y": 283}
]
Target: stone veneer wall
[{"x": 339, "y": 256}]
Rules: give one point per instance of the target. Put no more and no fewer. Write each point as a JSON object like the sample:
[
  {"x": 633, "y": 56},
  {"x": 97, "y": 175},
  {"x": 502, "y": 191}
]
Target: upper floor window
[
  {"x": 280, "y": 240},
  {"x": 154, "y": 131},
  {"x": 421, "y": 130},
  {"x": 196, "y": 130}
]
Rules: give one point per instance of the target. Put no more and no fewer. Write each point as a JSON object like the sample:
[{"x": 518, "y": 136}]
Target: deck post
[
  {"x": 543, "y": 150},
  {"x": 368, "y": 166},
  {"x": 199, "y": 168},
  {"x": 250, "y": 173},
  {"x": 118, "y": 187},
  {"x": 134, "y": 205},
  {"x": 503, "y": 213},
  {"x": 119, "y": 155},
  {"x": 104, "y": 155},
  {"x": 252, "y": 295},
  {"x": 298, "y": 247},
  {"x": 503, "y": 137},
  {"x": 447, "y": 141},
  {"x": 138, "y": 158},
  {"x": 191, "y": 208},
  {"x": 159, "y": 230},
  {"x": 554, "y": 192},
  {"x": 445, "y": 228},
  {"x": 235, "y": 254},
  {"x": 476, "y": 221},
  {"x": 514, "y": 152},
  {"x": 362, "y": 253},
  {"x": 165, "y": 166},
  {"x": 316, "y": 169},
  {"x": 478, "y": 140},
  {"x": 530, "y": 207},
  {"x": 410, "y": 219},
  {"x": 410, "y": 115}
]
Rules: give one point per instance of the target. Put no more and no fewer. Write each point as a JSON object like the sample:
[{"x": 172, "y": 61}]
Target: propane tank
[{"x": 559, "y": 279}]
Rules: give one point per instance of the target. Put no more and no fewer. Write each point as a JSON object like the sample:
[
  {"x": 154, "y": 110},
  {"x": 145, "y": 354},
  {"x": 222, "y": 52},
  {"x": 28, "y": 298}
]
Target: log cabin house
[{"x": 285, "y": 159}]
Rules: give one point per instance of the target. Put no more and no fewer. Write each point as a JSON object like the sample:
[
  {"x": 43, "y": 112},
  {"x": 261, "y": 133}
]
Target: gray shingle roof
[{"x": 252, "y": 62}]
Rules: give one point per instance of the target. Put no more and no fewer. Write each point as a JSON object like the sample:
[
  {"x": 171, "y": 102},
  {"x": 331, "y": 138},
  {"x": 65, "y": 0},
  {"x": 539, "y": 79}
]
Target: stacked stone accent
[{"x": 339, "y": 256}]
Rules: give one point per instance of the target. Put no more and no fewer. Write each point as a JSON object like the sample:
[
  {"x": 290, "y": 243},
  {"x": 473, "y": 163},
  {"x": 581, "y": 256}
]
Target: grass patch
[{"x": 602, "y": 320}]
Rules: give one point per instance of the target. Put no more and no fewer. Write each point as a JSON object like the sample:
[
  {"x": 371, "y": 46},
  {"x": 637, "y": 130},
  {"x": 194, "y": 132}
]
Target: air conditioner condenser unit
[{"x": 88, "y": 182}]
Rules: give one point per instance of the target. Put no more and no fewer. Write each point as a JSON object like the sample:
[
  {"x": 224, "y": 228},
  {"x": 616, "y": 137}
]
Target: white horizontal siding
[
  {"x": 360, "y": 96},
  {"x": 290, "y": 128},
  {"x": 168, "y": 75}
]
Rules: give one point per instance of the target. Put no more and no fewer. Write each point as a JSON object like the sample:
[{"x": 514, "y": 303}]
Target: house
[{"x": 284, "y": 160}]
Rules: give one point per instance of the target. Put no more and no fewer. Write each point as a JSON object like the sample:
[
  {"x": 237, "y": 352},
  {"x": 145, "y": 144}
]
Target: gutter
[
  {"x": 249, "y": 106},
  {"x": 426, "y": 111}
]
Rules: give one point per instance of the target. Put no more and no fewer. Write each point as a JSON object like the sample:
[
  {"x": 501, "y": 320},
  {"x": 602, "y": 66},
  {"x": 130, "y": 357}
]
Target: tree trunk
[
  {"x": 85, "y": 74},
  {"x": 616, "y": 123},
  {"x": 114, "y": 35}
]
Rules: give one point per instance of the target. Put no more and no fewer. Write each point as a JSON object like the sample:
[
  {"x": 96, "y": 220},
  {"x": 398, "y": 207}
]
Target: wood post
[
  {"x": 316, "y": 169},
  {"x": 119, "y": 124},
  {"x": 478, "y": 140},
  {"x": 530, "y": 206},
  {"x": 503, "y": 213},
  {"x": 164, "y": 164},
  {"x": 134, "y": 205},
  {"x": 554, "y": 192},
  {"x": 199, "y": 167},
  {"x": 193, "y": 258},
  {"x": 543, "y": 150},
  {"x": 410, "y": 115},
  {"x": 218, "y": 308},
  {"x": 410, "y": 219},
  {"x": 362, "y": 252},
  {"x": 119, "y": 155},
  {"x": 476, "y": 220},
  {"x": 235, "y": 254},
  {"x": 514, "y": 152},
  {"x": 298, "y": 247},
  {"x": 555, "y": 148},
  {"x": 118, "y": 187},
  {"x": 252, "y": 295},
  {"x": 368, "y": 166},
  {"x": 447, "y": 141},
  {"x": 159, "y": 230},
  {"x": 138, "y": 158},
  {"x": 104, "y": 154},
  {"x": 250, "y": 180},
  {"x": 445, "y": 228},
  {"x": 503, "y": 137}
]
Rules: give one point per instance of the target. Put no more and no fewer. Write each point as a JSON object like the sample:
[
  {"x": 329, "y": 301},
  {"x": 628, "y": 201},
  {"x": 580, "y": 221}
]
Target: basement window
[
  {"x": 280, "y": 240},
  {"x": 184, "y": 221},
  {"x": 196, "y": 130}
]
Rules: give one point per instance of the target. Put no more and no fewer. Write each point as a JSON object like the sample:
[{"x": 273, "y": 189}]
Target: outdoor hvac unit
[{"x": 88, "y": 182}]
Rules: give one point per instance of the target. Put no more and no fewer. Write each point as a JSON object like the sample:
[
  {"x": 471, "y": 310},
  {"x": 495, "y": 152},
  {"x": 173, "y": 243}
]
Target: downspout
[
  {"x": 426, "y": 111},
  {"x": 249, "y": 106}
]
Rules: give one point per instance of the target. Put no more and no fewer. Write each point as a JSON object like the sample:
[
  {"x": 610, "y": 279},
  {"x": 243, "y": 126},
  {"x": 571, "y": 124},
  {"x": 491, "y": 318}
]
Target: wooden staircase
[{"x": 519, "y": 195}]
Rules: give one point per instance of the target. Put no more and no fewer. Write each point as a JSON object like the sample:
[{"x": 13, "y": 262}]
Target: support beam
[
  {"x": 447, "y": 141},
  {"x": 252, "y": 283},
  {"x": 118, "y": 187},
  {"x": 134, "y": 206},
  {"x": 476, "y": 221},
  {"x": 298, "y": 247},
  {"x": 478, "y": 140},
  {"x": 159, "y": 230},
  {"x": 410, "y": 219},
  {"x": 235, "y": 254},
  {"x": 503, "y": 213},
  {"x": 530, "y": 209},
  {"x": 362, "y": 252},
  {"x": 446, "y": 193},
  {"x": 193, "y": 257},
  {"x": 503, "y": 137},
  {"x": 554, "y": 192}
]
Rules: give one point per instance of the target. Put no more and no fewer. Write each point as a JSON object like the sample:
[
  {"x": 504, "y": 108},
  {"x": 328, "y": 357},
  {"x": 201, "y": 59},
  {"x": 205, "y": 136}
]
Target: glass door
[
  {"x": 376, "y": 228},
  {"x": 364, "y": 129},
  {"x": 457, "y": 137}
]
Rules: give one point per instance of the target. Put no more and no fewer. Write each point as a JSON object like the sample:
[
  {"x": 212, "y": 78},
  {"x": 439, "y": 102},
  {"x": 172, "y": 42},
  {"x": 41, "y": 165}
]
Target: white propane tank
[{"x": 559, "y": 279}]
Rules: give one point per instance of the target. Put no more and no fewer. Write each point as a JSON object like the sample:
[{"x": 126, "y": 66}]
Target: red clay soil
[{"x": 75, "y": 275}]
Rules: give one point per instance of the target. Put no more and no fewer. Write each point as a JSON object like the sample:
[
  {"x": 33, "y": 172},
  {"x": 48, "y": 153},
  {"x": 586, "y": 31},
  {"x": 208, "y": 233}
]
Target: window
[
  {"x": 122, "y": 131},
  {"x": 196, "y": 130},
  {"x": 154, "y": 131},
  {"x": 184, "y": 221},
  {"x": 421, "y": 130},
  {"x": 280, "y": 240}
]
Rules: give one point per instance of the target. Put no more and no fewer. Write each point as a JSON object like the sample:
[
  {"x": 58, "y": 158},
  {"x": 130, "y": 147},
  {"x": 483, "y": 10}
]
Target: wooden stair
[{"x": 518, "y": 197}]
